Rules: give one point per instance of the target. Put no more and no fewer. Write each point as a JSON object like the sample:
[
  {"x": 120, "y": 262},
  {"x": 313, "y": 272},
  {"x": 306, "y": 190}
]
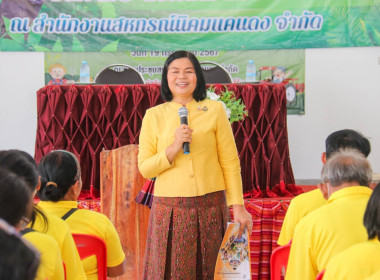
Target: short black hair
[
  {"x": 200, "y": 90},
  {"x": 372, "y": 214},
  {"x": 347, "y": 138}
]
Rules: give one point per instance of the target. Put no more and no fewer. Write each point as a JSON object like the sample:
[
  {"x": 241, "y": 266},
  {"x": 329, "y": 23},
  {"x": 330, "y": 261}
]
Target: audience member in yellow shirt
[
  {"x": 304, "y": 203},
  {"x": 51, "y": 265},
  {"x": 330, "y": 229},
  {"x": 60, "y": 231},
  {"x": 25, "y": 167},
  {"x": 61, "y": 185},
  {"x": 192, "y": 190},
  {"x": 18, "y": 259},
  {"x": 360, "y": 260}
]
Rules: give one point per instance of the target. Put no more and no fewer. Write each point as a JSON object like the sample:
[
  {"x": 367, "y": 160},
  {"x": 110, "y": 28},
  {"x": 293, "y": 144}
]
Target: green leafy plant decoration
[{"x": 235, "y": 108}]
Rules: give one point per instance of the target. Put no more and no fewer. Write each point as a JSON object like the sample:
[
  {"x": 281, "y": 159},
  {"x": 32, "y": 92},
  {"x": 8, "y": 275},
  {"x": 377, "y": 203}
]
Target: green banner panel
[
  {"x": 281, "y": 66},
  {"x": 127, "y": 25}
]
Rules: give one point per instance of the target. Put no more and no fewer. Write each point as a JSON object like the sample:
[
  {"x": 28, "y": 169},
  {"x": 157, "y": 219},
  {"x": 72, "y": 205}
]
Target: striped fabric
[
  {"x": 267, "y": 215},
  {"x": 145, "y": 196}
]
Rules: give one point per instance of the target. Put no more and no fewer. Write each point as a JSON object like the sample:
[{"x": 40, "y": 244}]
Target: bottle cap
[
  {"x": 84, "y": 61},
  {"x": 250, "y": 61}
]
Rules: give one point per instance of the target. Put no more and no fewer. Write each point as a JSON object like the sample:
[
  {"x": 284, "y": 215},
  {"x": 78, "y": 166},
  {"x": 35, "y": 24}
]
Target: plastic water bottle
[
  {"x": 84, "y": 76},
  {"x": 250, "y": 74}
]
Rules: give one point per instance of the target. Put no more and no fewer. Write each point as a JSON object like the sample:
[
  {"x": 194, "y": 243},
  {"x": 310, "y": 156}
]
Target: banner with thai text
[
  {"x": 129, "y": 25},
  {"x": 276, "y": 66}
]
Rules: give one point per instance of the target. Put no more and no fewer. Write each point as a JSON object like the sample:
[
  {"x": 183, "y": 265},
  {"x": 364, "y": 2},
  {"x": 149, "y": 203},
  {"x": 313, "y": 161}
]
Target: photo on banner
[{"x": 273, "y": 66}]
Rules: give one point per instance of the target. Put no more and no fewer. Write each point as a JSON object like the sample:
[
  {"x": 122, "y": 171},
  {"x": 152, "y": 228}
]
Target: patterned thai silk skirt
[{"x": 184, "y": 236}]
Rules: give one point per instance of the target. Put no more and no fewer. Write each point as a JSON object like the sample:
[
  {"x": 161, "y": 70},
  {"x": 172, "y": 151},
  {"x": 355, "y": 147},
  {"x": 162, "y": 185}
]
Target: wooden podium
[{"x": 120, "y": 183}]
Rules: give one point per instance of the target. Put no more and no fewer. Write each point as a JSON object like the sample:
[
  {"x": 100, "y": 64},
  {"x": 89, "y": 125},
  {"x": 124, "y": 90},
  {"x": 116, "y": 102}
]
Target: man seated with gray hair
[
  {"x": 337, "y": 225},
  {"x": 307, "y": 202}
]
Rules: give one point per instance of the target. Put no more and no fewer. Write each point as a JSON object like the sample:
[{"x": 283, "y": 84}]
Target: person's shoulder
[
  {"x": 316, "y": 193},
  {"x": 314, "y": 217},
  {"x": 349, "y": 254},
  {"x": 99, "y": 220},
  {"x": 92, "y": 214},
  {"x": 214, "y": 107},
  {"x": 306, "y": 200},
  {"x": 57, "y": 222},
  {"x": 53, "y": 220},
  {"x": 158, "y": 109},
  {"x": 212, "y": 103},
  {"x": 41, "y": 240}
]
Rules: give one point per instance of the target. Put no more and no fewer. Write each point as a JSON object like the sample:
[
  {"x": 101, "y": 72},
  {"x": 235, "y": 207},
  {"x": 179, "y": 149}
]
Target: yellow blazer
[{"x": 213, "y": 163}]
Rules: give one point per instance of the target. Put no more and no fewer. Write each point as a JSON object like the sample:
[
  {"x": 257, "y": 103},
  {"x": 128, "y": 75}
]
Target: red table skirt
[{"x": 267, "y": 214}]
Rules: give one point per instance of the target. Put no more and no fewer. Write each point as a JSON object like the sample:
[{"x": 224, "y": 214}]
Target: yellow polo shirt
[
  {"x": 299, "y": 207},
  {"x": 51, "y": 266},
  {"x": 93, "y": 223},
  {"x": 357, "y": 262},
  {"x": 60, "y": 231},
  {"x": 213, "y": 163},
  {"x": 375, "y": 276},
  {"x": 327, "y": 231}
]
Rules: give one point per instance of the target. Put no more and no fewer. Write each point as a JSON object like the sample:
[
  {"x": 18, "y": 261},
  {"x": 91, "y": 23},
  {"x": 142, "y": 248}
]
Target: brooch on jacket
[{"x": 202, "y": 109}]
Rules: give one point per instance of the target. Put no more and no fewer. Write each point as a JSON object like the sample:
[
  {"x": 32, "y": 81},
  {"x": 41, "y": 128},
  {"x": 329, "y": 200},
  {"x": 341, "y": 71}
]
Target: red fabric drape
[{"x": 86, "y": 119}]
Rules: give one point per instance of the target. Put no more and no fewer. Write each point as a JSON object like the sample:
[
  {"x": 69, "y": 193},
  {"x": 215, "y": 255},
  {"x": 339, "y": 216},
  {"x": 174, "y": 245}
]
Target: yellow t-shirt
[
  {"x": 327, "y": 231},
  {"x": 51, "y": 266},
  {"x": 60, "y": 231},
  {"x": 213, "y": 163},
  {"x": 89, "y": 222},
  {"x": 299, "y": 207},
  {"x": 357, "y": 262},
  {"x": 375, "y": 276}
]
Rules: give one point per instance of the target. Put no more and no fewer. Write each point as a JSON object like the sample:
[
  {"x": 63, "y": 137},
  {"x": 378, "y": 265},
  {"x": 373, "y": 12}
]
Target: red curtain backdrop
[{"x": 85, "y": 119}]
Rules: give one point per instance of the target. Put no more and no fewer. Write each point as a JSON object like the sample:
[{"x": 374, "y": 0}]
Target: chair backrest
[
  {"x": 215, "y": 73},
  {"x": 89, "y": 245},
  {"x": 119, "y": 74},
  {"x": 279, "y": 261},
  {"x": 320, "y": 275}
]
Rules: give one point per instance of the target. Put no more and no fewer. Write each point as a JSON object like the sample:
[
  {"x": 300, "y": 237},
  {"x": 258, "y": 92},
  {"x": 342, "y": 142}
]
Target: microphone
[{"x": 183, "y": 113}]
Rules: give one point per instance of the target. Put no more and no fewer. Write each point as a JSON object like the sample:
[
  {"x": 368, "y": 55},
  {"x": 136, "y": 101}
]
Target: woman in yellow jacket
[{"x": 193, "y": 187}]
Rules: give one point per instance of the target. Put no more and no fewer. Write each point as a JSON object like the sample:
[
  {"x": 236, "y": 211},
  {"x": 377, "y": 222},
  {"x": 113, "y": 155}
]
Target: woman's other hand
[
  {"x": 243, "y": 217},
  {"x": 182, "y": 134}
]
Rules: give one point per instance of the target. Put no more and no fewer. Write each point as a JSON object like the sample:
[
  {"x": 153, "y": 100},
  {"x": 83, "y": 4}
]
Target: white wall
[
  {"x": 342, "y": 91},
  {"x": 21, "y": 75}
]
